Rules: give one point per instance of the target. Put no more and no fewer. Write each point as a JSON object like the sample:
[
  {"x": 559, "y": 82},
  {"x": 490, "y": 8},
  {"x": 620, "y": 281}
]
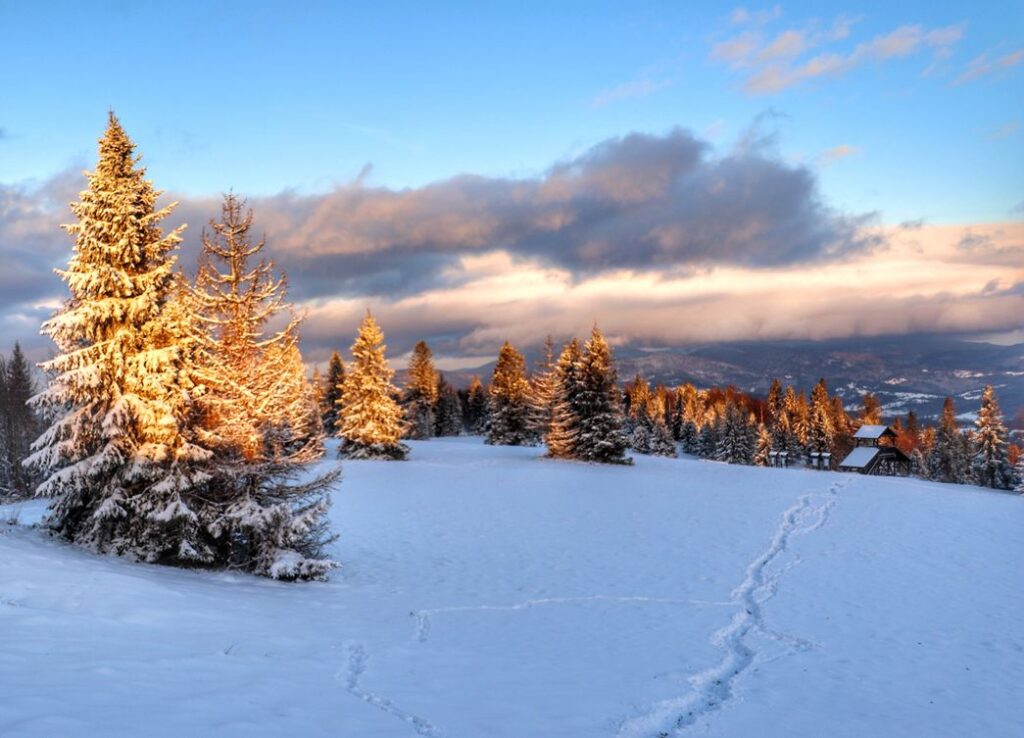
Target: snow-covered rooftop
[
  {"x": 871, "y": 431},
  {"x": 860, "y": 457}
]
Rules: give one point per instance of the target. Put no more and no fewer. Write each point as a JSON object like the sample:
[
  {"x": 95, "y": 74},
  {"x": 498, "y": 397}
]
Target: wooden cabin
[{"x": 875, "y": 452}]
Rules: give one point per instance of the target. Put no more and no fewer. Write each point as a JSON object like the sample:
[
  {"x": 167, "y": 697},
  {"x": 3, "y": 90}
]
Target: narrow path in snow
[
  {"x": 356, "y": 667},
  {"x": 712, "y": 687}
]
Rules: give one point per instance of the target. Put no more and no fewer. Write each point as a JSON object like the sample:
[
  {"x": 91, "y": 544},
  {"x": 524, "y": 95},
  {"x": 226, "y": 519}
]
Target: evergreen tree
[
  {"x": 871, "y": 413},
  {"x": 763, "y": 446},
  {"x": 600, "y": 435},
  {"x": 19, "y": 425},
  {"x": 542, "y": 390},
  {"x": 842, "y": 440},
  {"x": 120, "y": 460},
  {"x": 708, "y": 440},
  {"x": 648, "y": 432},
  {"x": 448, "y": 418},
  {"x": 509, "y": 410},
  {"x": 797, "y": 419},
  {"x": 332, "y": 388},
  {"x": 562, "y": 438},
  {"x": 734, "y": 440},
  {"x": 991, "y": 463},
  {"x": 821, "y": 431},
  {"x": 690, "y": 438},
  {"x": 476, "y": 407},
  {"x": 370, "y": 425},
  {"x": 420, "y": 397},
  {"x": 776, "y": 408},
  {"x": 5, "y": 481},
  {"x": 259, "y": 396},
  {"x": 947, "y": 461}
]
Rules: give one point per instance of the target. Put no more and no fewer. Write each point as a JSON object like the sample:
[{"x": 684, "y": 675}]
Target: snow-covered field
[{"x": 487, "y": 592}]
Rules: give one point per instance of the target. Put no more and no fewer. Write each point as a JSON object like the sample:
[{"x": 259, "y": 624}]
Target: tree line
[
  {"x": 177, "y": 423},
  {"x": 549, "y": 405}
]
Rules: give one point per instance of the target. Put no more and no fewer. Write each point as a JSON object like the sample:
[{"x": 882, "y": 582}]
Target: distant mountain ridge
[{"x": 906, "y": 372}]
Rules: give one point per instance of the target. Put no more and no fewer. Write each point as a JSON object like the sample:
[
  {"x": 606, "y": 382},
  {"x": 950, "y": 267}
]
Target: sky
[{"x": 678, "y": 172}]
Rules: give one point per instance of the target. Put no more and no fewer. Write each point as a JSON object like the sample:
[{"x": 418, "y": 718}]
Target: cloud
[
  {"x": 658, "y": 237},
  {"x": 788, "y": 59},
  {"x": 836, "y": 153},
  {"x": 742, "y": 16},
  {"x": 984, "y": 65},
  {"x": 629, "y": 90},
  {"x": 903, "y": 291},
  {"x": 1004, "y": 131}
]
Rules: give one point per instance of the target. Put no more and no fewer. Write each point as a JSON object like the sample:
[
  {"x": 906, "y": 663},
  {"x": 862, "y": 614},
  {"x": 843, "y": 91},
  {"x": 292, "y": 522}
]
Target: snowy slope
[{"x": 488, "y": 592}]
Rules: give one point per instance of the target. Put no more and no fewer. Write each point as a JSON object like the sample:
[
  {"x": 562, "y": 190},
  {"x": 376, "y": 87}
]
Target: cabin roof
[
  {"x": 873, "y": 432},
  {"x": 860, "y": 457}
]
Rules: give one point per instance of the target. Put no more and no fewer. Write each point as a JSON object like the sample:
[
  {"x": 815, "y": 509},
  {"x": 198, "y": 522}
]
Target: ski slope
[{"x": 488, "y": 592}]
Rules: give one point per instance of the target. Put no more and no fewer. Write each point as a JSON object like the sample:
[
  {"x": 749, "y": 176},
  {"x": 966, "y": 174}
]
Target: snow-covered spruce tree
[
  {"x": 370, "y": 425},
  {"x": 120, "y": 459},
  {"x": 734, "y": 440},
  {"x": 476, "y": 407},
  {"x": 947, "y": 461},
  {"x": 419, "y": 400},
  {"x": 259, "y": 392},
  {"x": 842, "y": 440},
  {"x": 649, "y": 434},
  {"x": 991, "y": 463},
  {"x": 821, "y": 431},
  {"x": 259, "y": 414},
  {"x": 762, "y": 446},
  {"x": 542, "y": 390},
  {"x": 707, "y": 441},
  {"x": 1019, "y": 488},
  {"x": 508, "y": 408},
  {"x": 448, "y": 417},
  {"x": 19, "y": 426},
  {"x": 563, "y": 431},
  {"x": 690, "y": 438},
  {"x": 600, "y": 434},
  {"x": 330, "y": 404}
]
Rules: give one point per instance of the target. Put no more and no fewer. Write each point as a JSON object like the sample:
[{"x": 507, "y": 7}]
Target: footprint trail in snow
[{"x": 710, "y": 688}]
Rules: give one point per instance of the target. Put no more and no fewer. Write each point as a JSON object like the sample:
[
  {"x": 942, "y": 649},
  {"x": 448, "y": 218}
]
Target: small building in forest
[{"x": 876, "y": 453}]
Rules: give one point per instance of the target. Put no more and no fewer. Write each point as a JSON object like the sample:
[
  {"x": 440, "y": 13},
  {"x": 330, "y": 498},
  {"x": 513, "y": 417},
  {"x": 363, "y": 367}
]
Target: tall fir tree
[
  {"x": 448, "y": 418},
  {"x": 510, "y": 421},
  {"x": 542, "y": 389},
  {"x": 947, "y": 461},
  {"x": 476, "y": 407},
  {"x": 871, "y": 412},
  {"x": 991, "y": 462},
  {"x": 763, "y": 446},
  {"x": 370, "y": 426},
  {"x": 259, "y": 399},
  {"x": 735, "y": 443},
  {"x": 600, "y": 435},
  {"x": 334, "y": 380},
  {"x": 420, "y": 397},
  {"x": 19, "y": 425},
  {"x": 563, "y": 431},
  {"x": 821, "y": 430},
  {"x": 120, "y": 461},
  {"x": 648, "y": 433}
]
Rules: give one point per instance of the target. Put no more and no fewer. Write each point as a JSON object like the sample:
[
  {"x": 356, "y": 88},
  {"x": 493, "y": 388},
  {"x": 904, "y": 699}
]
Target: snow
[
  {"x": 488, "y": 592},
  {"x": 871, "y": 431},
  {"x": 859, "y": 457}
]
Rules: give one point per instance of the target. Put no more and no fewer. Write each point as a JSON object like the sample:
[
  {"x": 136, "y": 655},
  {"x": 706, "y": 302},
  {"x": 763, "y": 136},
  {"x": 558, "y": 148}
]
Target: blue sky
[
  {"x": 264, "y": 97},
  {"x": 678, "y": 171}
]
